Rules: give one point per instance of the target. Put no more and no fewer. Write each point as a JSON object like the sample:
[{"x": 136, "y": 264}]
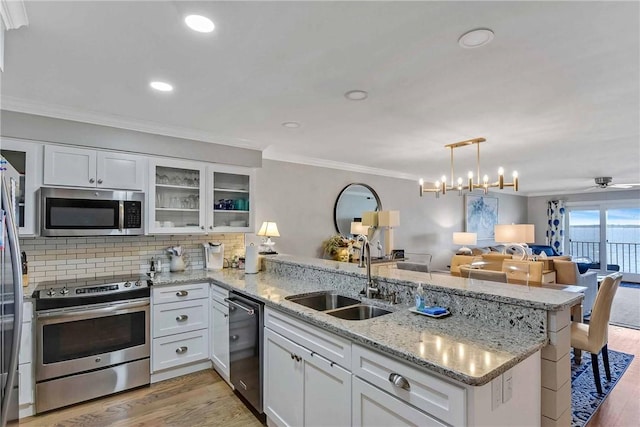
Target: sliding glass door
[{"x": 609, "y": 235}]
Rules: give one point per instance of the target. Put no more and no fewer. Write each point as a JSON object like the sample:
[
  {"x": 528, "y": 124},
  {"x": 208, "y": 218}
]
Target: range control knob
[
  {"x": 64, "y": 291},
  {"x": 127, "y": 284},
  {"x": 138, "y": 283},
  {"x": 51, "y": 292}
]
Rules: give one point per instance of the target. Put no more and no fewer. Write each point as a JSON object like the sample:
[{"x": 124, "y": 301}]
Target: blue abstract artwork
[{"x": 481, "y": 215}]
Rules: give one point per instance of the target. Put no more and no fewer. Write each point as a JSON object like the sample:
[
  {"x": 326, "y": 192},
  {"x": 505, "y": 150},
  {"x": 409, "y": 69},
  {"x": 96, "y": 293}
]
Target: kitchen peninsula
[{"x": 498, "y": 335}]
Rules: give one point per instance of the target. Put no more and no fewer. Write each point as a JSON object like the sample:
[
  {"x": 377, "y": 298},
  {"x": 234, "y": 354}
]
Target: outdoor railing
[{"x": 623, "y": 254}]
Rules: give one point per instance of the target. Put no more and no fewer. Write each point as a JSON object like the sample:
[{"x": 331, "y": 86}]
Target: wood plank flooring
[
  {"x": 204, "y": 399},
  {"x": 622, "y": 407},
  {"x": 200, "y": 399}
]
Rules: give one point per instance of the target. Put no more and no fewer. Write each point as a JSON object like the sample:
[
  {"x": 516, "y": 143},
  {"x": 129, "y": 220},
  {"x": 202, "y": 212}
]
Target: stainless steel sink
[
  {"x": 323, "y": 301},
  {"x": 359, "y": 312}
]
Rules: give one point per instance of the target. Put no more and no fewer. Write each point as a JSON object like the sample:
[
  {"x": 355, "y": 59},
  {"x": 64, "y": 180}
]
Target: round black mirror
[{"x": 353, "y": 200}]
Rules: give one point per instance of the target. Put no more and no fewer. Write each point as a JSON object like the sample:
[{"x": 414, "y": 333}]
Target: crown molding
[
  {"x": 13, "y": 13},
  {"x": 21, "y": 105},
  {"x": 272, "y": 154}
]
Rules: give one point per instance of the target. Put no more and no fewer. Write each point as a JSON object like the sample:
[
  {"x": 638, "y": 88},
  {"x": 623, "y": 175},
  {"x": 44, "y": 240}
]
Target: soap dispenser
[{"x": 420, "y": 297}]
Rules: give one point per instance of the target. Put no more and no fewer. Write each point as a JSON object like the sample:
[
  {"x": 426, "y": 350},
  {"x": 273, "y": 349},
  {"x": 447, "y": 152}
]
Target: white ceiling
[{"x": 556, "y": 93}]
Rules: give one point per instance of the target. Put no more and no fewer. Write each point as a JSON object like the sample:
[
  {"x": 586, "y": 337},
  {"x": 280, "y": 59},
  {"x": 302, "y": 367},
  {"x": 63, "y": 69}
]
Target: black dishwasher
[{"x": 245, "y": 347}]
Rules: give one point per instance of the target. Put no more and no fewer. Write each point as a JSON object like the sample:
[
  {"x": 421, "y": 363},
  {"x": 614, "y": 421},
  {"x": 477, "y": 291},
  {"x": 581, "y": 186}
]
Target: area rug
[
  {"x": 625, "y": 309},
  {"x": 585, "y": 400}
]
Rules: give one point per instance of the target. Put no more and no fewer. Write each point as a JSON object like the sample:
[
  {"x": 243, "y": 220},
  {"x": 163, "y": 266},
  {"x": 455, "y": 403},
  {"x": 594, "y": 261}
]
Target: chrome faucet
[{"x": 365, "y": 261}]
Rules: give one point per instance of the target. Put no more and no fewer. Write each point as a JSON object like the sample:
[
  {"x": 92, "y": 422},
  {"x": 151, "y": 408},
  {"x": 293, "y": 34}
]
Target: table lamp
[
  {"x": 388, "y": 220},
  {"x": 464, "y": 239},
  {"x": 357, "y": 228},
  {"x": 515, "y": 236},
  {"x": 268, "y": 230}
]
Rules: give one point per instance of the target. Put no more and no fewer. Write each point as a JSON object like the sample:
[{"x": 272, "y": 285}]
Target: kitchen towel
[{"x": 252, "y": 261}]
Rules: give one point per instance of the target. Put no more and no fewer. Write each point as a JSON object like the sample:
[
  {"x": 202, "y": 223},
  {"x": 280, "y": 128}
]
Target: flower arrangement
[{"x": 338, "y": 247}]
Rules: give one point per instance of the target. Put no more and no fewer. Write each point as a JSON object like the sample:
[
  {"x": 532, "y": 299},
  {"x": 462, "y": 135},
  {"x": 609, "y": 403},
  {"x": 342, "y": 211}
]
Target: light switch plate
[
  {"x": 507, "y": 386},
  {"x": 496, "y": 393}
]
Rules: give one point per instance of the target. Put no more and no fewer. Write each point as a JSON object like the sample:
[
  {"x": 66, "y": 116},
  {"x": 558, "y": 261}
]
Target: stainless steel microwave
[{"x": 71, "y": 212}]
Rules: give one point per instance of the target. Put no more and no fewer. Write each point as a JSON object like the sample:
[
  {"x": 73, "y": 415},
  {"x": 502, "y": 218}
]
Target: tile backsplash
[{"x": 68, "y": 258}]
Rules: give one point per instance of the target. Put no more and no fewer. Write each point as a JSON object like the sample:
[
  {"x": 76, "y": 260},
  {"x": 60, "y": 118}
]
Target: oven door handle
[
  {"x": 249, "y": 311},
  {"x": 94, "y": 312}
]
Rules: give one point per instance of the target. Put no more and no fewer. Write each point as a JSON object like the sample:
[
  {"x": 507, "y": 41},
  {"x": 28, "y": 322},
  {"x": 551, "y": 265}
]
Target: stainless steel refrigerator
[{"x": 10, "y": 303}]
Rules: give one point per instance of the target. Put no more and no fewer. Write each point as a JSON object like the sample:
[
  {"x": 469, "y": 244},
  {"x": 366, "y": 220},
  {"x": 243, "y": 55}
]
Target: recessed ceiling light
[
  {"x": 356, "y": 95},
  {"x": 199, "y": 23},
  {"x": 291, "y": 125},
  {"x": 161, "y": 86},
  {"x": 476, "y": 38}
]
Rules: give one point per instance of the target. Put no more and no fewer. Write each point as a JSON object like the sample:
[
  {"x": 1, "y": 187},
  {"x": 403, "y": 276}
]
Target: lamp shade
[
  {"x": 357, "y": 228},
  {"x": 269, "y": 229},
  {"x": 388, "y": 218},
  {"x": 515, "y": 233},
  {"x": 370, "y": 218},
  {"x": 464, "y": 239}
]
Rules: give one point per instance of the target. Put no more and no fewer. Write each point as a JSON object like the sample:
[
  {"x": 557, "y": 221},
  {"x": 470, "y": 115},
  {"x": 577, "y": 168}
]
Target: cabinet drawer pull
[
  {"x": 91, "y": 180},
  {"x": 182, "y": 350},
  {"x": 182, "y": 318},
  {"x": 298, "y": 358},
  {"x": 99, "y": 181},
  {"x": 399, "y": 381},
  {"x": 182, "y": 293},
  {"x": 234, "y": 337}
]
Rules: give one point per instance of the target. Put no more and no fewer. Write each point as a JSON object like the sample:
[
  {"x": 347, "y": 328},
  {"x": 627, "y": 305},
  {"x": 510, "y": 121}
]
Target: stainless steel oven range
[{"x": 92, "y": 339}]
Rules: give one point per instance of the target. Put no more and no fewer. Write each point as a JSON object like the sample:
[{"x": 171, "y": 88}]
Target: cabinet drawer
[
  {"x": 180, "y": 292},
  {"x": 433, "y": 395},
  {"x": 219, "y": 294},
  {"x": 176, "y": 350},
  {"x": 182, "y": 316},
  {"x": 374, "y": 407},
  {"x": 324, "y": 343}
]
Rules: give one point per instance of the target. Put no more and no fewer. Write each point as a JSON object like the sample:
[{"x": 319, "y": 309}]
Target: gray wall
[
  {"x": 300, "y": 199},
  {"x": 48, "y": 129},
  {"x": 537, "y": 206}
]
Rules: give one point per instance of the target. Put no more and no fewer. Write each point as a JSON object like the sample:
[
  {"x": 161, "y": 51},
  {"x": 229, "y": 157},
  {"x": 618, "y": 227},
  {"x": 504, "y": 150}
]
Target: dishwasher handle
[{"x": 250, "y": 311}]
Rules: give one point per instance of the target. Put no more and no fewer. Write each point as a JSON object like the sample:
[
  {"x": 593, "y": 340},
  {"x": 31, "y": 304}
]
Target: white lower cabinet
[
  {"x": 180, "y": 330},
  {"x": 301, "y": 387},
  {"x": 374, "y": 407},
  {"x": 220, "y": 331},
  {"x": 25, "y": 367}
]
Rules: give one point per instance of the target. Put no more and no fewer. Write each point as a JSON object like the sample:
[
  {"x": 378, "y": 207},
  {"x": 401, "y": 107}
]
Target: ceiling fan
[{"x": 606, "y": 182}]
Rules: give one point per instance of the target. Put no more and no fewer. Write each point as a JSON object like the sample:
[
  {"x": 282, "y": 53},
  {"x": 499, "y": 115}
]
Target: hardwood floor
[
  {"x": 200, "y": 399},
  {"x": 204, "y": 399},
  {"x": 622, "y": 407}
]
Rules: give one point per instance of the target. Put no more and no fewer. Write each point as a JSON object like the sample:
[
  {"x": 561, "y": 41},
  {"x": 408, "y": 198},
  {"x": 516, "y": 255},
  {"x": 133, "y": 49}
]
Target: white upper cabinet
[
  {"x": 24, "y": 160},
  {"x": 230, "y": 199},
  {"x": 176, "y": 197},
  {"x": 80, "y": 167}
]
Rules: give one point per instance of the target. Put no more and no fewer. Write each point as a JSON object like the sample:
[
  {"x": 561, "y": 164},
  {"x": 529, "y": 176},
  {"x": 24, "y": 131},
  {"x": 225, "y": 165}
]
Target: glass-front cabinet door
[
  {"x": 176, "y": 197},
  {"x": 231, "y": 199},
  {"x": 19, "y": 163}
]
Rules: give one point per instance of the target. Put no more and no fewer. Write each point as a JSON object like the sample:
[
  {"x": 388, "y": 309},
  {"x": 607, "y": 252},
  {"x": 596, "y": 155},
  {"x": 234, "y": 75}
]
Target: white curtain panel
[{"x": 555, "y": 227}]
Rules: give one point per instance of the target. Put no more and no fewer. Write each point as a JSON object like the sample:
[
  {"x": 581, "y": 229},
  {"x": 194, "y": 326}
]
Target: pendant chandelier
[{"x": 441, "y": 186}]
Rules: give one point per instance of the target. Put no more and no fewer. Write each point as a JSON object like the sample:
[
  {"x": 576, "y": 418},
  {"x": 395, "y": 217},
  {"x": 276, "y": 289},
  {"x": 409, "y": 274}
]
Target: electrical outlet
[
  {"x": 496, "y": 393},
  {"x": 507, "y": 386}
]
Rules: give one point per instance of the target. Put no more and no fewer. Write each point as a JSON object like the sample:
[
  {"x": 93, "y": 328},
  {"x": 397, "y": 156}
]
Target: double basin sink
[{"x": 338, "y": 305}]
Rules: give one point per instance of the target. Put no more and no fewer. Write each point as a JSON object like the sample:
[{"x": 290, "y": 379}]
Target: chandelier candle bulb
[
  {"x": 421, "y": 182},
  {"x": 501, "y": 178},
  {"x": 470, "y": 185},
  {"x": 515, "y": 180}
]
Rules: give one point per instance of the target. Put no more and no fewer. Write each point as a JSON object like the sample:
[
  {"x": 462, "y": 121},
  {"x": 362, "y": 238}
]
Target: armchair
[{"x": 567, "y": 273}]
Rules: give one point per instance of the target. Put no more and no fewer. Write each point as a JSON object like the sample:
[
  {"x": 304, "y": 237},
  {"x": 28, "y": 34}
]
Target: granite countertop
[{"x": 454, "y": 346}]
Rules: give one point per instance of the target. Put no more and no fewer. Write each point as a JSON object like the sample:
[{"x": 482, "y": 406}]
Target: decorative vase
[
  {"x": 177, "y": 263},
  {"x": 341, "y": 254}
]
